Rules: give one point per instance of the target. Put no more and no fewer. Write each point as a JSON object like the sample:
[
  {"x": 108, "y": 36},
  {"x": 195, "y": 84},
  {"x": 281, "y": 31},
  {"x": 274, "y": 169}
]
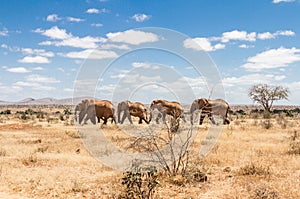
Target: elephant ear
[{"x": 205, "y": 100}]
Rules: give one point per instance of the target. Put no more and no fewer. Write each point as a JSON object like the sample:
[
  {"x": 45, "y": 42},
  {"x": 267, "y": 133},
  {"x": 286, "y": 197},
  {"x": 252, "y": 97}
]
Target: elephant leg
[
  {"x": 105, "y": 120},
  {"x": 226, "y": 121},
  {"x": 129, "y": 118},
  {"x": 201, "y": 119},
  {"x": 158, "y": 117},
  {"x": 212, "y": 118},
  {"x": 147, "y": 122},
  {"x": 183, "y": 118},
  {"x": 140, "y": 121},
  {"x": 164, "y": 117},
  {"x": 119, "y": 116},
  {"x": 124, "y": 116}
]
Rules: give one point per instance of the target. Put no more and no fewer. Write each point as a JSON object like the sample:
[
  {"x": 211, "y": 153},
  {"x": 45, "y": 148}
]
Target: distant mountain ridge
[{"x": 45, "y": 101}]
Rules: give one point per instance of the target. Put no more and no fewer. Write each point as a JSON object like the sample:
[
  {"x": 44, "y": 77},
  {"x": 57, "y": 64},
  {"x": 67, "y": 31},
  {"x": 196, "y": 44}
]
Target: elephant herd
[{"x": 90, "y": 109}]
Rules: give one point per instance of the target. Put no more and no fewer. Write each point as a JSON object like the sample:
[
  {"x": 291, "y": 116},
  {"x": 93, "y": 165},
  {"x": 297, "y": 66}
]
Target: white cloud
[
  {"x": 96, "y": 11},
  {"x": 37, "y": 68},
  {"x": 97, "y": 24},
  {"x": 145, "y": 65},
  {"x": 73, "y": 19},
  {"x": 248, "y": 80},
  {"x": 53, "y": 18},
  {"x": 17, "y": 70},
  {"x": 285, "y": 1},
  {"x": 285, "y": 33},
  {"x": 33, "y": 85},
  {"x": 246, "y": 46},
  {"x": 141, "y": 17},
  {"x": 110, "y": 46},
  {"x": 201, "y": 43},
  {"x": 268, "y": 35},
  {"x": 4, "y": 32},
  {"x": 265, "y": 35},
  {"x": 67, "y": 39},
  {"x": 35, "y": 59},
  {"x": 54, "y": 33},
  {"x": 274, "y": 58},
  {"x": 238, "y": 35},
  {"x": 92, "y": 11},
  {"x": 90, "y": 54},
  {"x": 41, "y": 79},
  {"x": 134, "y": 37},
  {"x": 41, "y": 52},
  {"x": 77, "y": 42}
]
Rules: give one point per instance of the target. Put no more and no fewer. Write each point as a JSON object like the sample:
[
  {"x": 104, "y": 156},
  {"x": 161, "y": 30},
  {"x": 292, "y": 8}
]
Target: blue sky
[{"x": 43, "y": 45}]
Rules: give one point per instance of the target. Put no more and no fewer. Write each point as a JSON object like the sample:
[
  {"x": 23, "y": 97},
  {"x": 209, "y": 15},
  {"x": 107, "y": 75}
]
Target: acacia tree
[{"x": 265, "y": 94}]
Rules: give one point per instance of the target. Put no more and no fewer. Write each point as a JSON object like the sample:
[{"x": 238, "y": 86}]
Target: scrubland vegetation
[{"x": 256, "y": 156}]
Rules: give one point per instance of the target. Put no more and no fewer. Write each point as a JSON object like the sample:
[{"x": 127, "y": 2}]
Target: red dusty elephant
[{"x": 210, "y": 107}]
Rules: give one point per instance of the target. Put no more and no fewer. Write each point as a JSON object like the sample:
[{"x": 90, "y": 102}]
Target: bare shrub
[
  {"x": 73, "y": 134},
  {"x": 264, "y": 192},
  {"x": 2, "y": 152},
  {"x": 174, "y": 162},
  {"x": 266, "y": 124},
  {"x": 294, "y": 146},
  {"x": 139, "y": 184},
  {"x": 29, "y": 160},
  {"x": 254, "y": 169}
]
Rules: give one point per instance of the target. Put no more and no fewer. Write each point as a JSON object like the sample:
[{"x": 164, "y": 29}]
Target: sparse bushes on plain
[
  {"x": 263, "y": 192},
  {"x": 2, "y": 152},
  {"x": 253, "y": 169},
  {"x": 140, "y": 184},
  {"x": 6, "y": 112},
  {"x": 294, "y": 146}
]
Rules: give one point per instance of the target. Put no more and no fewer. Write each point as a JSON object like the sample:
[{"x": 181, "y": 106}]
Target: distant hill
[{"x": 45, "y": 101}]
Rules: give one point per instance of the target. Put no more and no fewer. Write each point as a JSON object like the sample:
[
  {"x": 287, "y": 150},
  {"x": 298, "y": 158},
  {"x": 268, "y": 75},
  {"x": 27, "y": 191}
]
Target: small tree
[{"x": 265, "y": 94}]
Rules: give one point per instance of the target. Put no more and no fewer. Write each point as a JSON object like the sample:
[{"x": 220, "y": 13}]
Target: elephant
[
  {"x": 166, "y": 108},
  {"x": 102, "y": 109},
  {"x": 210, "y": 107},
  {"x": 129, "y": 109},
  {"x": 81, "y": 107}
]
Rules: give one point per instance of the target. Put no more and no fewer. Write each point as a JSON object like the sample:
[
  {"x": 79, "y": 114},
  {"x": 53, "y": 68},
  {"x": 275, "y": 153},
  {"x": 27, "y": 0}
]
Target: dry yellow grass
[{"x": 46, "y": 159}]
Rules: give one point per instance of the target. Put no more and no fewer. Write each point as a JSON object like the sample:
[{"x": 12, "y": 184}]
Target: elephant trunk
[
  {"x": 151, "y": 115},
  {"x": 192, "y": 110}
]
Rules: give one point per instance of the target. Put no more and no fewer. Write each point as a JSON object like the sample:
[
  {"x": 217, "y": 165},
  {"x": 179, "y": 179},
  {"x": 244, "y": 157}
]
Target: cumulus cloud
[
  {"x": 62, "y": 38},
  {"x": 4, "y": 32},
  {"x": 90, "y": 54},
  {"x": 145, "y": 65},
  {"x": 284, "y": 1},
  {"x": 73, "y": 19},
  {"x": 54, "y": 33},
  {"x": 92, "y": 11},
  {"x": 273, "y": 58},
  {"x": 17, "y": 70},
  {"x": 201, "y": 43},
  {"x": 35, "y": 59},
  {"x": 134, "y": 37},
  {"x": 246, "y": 46},
  {"x": 41, "y": 52},
  {"x": 250, "y": 79},
  {"x": 110, "y": 46},
  {"x": 40, "y": 78},
  {"x": 97, "y": 24},
  {"x": 96, "y": 11},
  {"x": 141, "y": 17},
  {"x": 238, "y": 35},
  {"x": 268, "y": 35},
  {"x": 53, "y": 18}
]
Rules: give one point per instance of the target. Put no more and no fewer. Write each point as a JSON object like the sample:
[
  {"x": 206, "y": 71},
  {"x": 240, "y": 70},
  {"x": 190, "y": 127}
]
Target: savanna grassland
[{"x": 42, "y": 156}]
